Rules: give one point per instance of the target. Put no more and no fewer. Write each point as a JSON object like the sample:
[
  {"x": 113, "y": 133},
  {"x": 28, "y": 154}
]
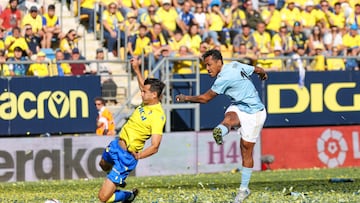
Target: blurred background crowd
[{"x": 276, "y": 35}]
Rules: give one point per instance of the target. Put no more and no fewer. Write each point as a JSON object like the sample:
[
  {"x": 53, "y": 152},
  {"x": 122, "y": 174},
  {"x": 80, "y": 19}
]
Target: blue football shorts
[{"x": 123, "y": 162}]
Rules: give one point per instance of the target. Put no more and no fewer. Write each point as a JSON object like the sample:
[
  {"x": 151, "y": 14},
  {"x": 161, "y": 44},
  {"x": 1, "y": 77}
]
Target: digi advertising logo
[{"x": 332, "y": 148}]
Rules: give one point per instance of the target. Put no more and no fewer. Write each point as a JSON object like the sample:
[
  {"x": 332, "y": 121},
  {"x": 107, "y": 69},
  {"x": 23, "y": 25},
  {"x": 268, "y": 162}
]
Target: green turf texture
[{"x": 312, "y": 185}]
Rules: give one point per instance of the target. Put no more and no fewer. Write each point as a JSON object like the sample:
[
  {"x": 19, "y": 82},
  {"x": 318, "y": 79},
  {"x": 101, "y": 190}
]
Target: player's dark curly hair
[
  {"x": 215, "y": 54},
  {"x": 156, "y": 85}
]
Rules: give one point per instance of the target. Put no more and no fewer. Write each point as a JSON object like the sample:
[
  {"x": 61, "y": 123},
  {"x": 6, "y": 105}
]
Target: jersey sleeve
[
  {"x": 158, "y": 123},
  {"x": 247, "y": 69}
]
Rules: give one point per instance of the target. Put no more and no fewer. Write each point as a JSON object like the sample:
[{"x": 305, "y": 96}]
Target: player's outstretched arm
[
  {"x": 203, "y": 98},
  {"x": 152, "y": 149},
  {"x": 135, "y": 64},
  {"x": 261, "y": 72}
]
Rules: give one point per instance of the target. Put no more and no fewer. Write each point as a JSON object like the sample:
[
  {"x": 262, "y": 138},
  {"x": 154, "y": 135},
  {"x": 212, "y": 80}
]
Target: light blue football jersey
[{"x": 234, "y": 81}]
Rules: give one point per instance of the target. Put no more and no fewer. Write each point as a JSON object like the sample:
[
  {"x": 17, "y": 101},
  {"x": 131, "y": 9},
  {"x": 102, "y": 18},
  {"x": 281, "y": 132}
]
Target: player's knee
[{"x": 102, "y": 197}]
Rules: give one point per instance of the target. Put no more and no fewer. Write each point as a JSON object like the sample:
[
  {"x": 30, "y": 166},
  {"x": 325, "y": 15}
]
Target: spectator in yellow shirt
[
  {"x": 276, "y": 63},
  {"x": 177, "y": 41},
  {"x": 216, "y": 21},
  {"x": 352, "y": 38},
  {"x": 64, "y": 69},
  {"x": 319, "y": 63},
  {"x": 139, "y": 44},
  {"x": 308, "y": 17},
  {"x": 131, "y": 24},
  {"x": 262, "y": 38},
  {"x": 237, "y": 18},
  {"x": 284, "y": 40},
  {"x": 113, "y": 23},
  {"x": 34, "y": 19},
  {"x": 324, "y": 14},
  {"x": 183, "y": 66},
  {"x": 194, "y": 38},
  {"x": 335, "y": 63},
  {"x": 4, "y": 68},
  {"x": 68, "y": 43},
  {"x": 51, "y": 26},
  {"x": 16, "y": 40},
  {"x": 150, "y": 17},
  {"x": 272, "y": 18},
  {"x": 2, "y": 44},
  {"x": 290, "y": 13},
  {"x": 143, "y": 5},
  {"x": 40, "y": 67},
  {"x": 169, "y": 17},
  {"x": 337, "y": 17},
  {"x": 262, "y": 61}
]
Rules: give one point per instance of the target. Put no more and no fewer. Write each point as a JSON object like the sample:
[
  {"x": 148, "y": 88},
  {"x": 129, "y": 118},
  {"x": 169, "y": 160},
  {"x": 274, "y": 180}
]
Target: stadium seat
[{"x": 50, "y": 54}]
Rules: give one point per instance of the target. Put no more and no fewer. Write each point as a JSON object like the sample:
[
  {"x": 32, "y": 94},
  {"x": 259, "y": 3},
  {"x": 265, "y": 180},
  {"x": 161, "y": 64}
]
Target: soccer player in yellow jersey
[{"x": 121, "y": 156}]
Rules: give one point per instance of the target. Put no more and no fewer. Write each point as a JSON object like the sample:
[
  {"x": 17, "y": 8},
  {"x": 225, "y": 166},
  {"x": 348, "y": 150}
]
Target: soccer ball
[{"x": 52, "y": 201}]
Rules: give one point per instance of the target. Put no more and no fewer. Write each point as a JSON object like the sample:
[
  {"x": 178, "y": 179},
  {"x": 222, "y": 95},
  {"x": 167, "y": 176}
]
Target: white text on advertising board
[
  {"x": 59, "y": 104},
  {"x": 316, "y": 98}
]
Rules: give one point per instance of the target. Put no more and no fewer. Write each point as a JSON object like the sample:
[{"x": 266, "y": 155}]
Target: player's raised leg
[{"x": 230, "y": 120}]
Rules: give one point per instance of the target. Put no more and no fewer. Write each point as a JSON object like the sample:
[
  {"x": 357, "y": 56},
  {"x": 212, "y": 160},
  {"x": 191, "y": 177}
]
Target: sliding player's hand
[
  {"x": 180, "y": 98},
  {"x": 135, "y": 64}
]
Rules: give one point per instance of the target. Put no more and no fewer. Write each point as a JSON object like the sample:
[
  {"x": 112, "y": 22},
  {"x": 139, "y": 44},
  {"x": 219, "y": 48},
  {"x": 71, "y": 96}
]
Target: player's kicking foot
[
  {"x": 242, "y": 195},
  {"x": 135, "y": 192},
  {"x": 217, "y": 134}
]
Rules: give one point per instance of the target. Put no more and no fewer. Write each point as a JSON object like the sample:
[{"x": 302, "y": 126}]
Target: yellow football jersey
[{"x": 145, "y": 121}]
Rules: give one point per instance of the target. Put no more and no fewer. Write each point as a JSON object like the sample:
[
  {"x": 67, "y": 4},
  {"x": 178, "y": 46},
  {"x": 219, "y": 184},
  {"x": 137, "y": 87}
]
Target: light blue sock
[
  {"x": 224, "y": 129},
  {"x": 245, "y": 177}
]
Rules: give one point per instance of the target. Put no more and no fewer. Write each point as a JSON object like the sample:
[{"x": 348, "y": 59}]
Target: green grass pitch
[{"x": 312, "y": 185}]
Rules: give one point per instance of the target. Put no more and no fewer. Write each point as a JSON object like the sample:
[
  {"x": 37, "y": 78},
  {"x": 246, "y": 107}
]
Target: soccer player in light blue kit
[{"x": 246, "y": 110}]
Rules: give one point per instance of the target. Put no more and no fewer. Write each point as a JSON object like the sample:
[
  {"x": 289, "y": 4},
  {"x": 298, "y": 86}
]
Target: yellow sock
[{"x": 112, "y": 198}]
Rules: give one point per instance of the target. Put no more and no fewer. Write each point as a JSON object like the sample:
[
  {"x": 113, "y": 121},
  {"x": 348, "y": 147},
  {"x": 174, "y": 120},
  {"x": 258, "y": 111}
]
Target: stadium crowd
[{"x": 327, "y": 32}]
